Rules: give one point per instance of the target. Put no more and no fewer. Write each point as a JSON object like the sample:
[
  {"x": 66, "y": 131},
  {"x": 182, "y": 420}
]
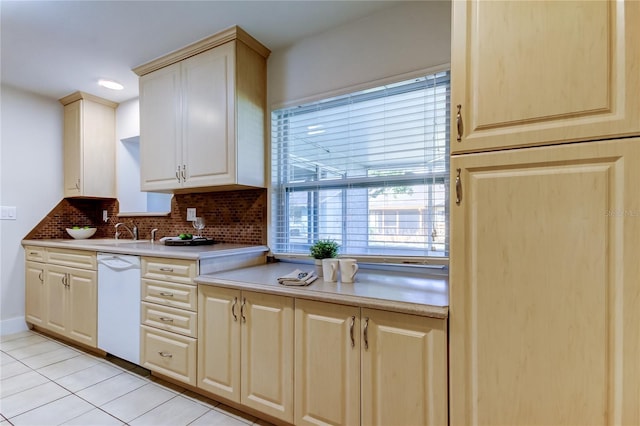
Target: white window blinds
[{"x": 369, "y": 169}]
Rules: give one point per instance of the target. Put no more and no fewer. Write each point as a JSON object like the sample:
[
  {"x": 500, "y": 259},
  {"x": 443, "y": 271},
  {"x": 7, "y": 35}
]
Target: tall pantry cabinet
[{"x": 545, "y": 279}]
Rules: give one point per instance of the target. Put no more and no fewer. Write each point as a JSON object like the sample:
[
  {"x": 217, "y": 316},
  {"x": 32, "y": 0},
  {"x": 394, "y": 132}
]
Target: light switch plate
[
  {"x": 8, "y": 213},
  {"x": 191, "y": 214}
]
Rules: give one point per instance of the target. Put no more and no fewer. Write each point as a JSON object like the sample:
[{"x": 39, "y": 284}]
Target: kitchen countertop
[
  {"x": 147, "y": 248},
  {"x": 420, "y": 293}
]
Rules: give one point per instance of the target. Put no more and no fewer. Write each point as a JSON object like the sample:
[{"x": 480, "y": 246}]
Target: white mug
[
  {"x": 330, "y": 270},
  {"x": 348, "y": 269}
]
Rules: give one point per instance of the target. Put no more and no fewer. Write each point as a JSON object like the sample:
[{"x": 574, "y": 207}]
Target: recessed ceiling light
[{"x": 110, "y": 84}]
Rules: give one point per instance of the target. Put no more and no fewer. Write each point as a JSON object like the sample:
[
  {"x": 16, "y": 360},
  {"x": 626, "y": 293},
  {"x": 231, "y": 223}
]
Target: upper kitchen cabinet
[
  {"x": 89, "y": 146},
  {"x": 538, "y": 73},
  {"x": 202, "y": 116}
]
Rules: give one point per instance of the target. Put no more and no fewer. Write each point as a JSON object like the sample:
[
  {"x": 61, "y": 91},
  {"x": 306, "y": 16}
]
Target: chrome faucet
[{"x": 134, "y": 232}]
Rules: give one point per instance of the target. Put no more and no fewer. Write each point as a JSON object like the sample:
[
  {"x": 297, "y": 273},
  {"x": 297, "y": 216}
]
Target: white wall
[
  {"x": 31, "y": 179},
  {"x": 128, "y": 157},
  {"x": 392, "y": 42}
]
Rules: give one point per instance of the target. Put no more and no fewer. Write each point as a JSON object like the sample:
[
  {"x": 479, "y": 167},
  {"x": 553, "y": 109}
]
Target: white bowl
[{"x": 81, "y": 234}]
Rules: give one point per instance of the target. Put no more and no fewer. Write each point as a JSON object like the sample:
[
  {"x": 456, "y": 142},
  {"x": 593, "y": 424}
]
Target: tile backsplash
[{"x": 230, "y": 217}]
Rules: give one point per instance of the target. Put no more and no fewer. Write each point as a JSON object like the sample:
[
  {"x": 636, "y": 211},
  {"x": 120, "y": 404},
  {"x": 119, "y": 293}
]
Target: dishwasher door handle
[{"x": 117, "y": 263}]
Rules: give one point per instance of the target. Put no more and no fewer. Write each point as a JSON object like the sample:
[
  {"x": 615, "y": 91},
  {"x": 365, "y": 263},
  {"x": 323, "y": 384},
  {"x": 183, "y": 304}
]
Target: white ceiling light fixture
[{"x": 110, "y": 84}]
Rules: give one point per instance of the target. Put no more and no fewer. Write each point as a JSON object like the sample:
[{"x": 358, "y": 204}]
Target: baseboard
[{"x": 12, "y": 325}]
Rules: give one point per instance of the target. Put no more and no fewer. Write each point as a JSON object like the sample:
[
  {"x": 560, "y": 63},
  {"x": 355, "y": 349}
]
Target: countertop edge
[
  {"x": 174, "y": 252},
  {"x": 439, "y": 312}
]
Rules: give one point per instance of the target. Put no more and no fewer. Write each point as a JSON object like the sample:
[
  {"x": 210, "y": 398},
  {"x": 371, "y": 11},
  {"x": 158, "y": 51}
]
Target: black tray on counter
[{"x": 192, "y": 242}]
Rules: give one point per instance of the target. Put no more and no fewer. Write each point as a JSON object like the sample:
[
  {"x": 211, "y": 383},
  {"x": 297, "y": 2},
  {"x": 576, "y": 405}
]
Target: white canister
[
  {"x": 330, "y": 270},
  {"x": 348, "y": 270}
]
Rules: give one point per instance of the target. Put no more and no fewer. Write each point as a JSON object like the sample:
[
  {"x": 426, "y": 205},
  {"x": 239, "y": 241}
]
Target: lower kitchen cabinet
[
  {"x": 61, "y": 292},
  {"x": 545, "y": 288},
  {"x": 35, "y": 293},
  {"x": 245, "y": 350},
  {"x": 404, "y": 369},
  {"x": 170, "y": 354},
  {"x": 327, "y": 364},
  {"x": 366, "y": 366},
  {"x": 168, "y": 318},
  {"x": 72, "y": 299}
]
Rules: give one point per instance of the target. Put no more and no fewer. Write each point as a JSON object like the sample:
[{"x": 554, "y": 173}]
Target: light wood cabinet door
[
  {"x": 160, "y": 130},
  {"x": 404, "y": 369},
  {"x": 57, "y": 300},
  {"x": 208, "y": 148},
  {"x": 82, "y": 293},
  {"x": 544, "y": 287},
  {"x": 35, "y": 294},
  {"x": 327, "y": 364},
  {"x": 267, "y": 354},
  {"x": 72, "y": 303},
  {"x": 539, "y": 72},
  {"x": 89, "y": 146},
  {"x": 219, "y": 341}
]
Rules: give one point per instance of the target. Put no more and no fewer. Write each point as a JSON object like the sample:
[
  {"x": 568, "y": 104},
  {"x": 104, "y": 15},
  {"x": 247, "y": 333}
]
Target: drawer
[
  {"x": 175, "y": 270},
  {"x": 169, "y": 354},
  {"x": 35, "y": 254},
  {"x": 74, "y": 258},
  {"x": 170, "y": 319},
  {"x": 175, "y": 295}
]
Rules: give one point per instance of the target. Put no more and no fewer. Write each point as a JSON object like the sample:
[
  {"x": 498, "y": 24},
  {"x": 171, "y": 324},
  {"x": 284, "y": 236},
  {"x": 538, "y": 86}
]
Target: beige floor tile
[
  {"x": 20, "y": 383},
  {"x": 137, "y": 402},
  {"x": 68, "y": 366},
  {"x": 19, "y": 335},
  {"x": 22, "y": 402},
  {"x": 236, "y": 414},
  {"x": 12, "y": 346},
  {"x": 49, "y": 358},
  {"x": 176, "y": 411},
  {"x": 110, "y": 389},
  {"x": 11, "y": 369},
  {"x": 95, "y": 417},
  {"x": 216, "y": 418},
  {"x": 88, "y": 377},
  {"x": 5, "y": 359},
  {"x": 59, "y": 411}
]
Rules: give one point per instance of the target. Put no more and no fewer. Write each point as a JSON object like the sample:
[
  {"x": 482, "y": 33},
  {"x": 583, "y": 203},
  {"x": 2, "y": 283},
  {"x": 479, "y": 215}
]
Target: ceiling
[{"x": 55, "y": 48}]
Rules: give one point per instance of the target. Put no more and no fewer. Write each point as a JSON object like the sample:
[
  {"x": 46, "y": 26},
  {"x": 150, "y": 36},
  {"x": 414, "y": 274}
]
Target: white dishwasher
[{"x": 119, "y": 305}]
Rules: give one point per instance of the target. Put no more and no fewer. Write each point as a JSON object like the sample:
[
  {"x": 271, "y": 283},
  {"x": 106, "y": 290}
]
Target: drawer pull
[
  {"x": 166, "y": 294},
  {"x": 165, "y": 354},
  {"x": 166, "y": 269},
  {"x": 33, "y": 253},
  {"x": 165, "y": 319}
]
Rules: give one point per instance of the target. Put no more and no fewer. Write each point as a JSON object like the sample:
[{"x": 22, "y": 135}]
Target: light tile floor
[{"x": 44, "y": 382}]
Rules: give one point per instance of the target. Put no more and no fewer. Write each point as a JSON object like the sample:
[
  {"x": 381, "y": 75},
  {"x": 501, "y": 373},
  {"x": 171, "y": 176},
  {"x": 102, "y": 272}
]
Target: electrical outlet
[{"x": 191, "y": 214}]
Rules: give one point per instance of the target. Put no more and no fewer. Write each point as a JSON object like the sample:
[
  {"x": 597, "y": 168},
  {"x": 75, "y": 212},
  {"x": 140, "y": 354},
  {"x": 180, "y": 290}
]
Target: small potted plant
[{"x": 323, "y": 249}]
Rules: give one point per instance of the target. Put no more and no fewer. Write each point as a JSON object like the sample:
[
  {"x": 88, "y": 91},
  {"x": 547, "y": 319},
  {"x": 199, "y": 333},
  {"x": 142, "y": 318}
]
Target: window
[{"x": 369, "y": 169}]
